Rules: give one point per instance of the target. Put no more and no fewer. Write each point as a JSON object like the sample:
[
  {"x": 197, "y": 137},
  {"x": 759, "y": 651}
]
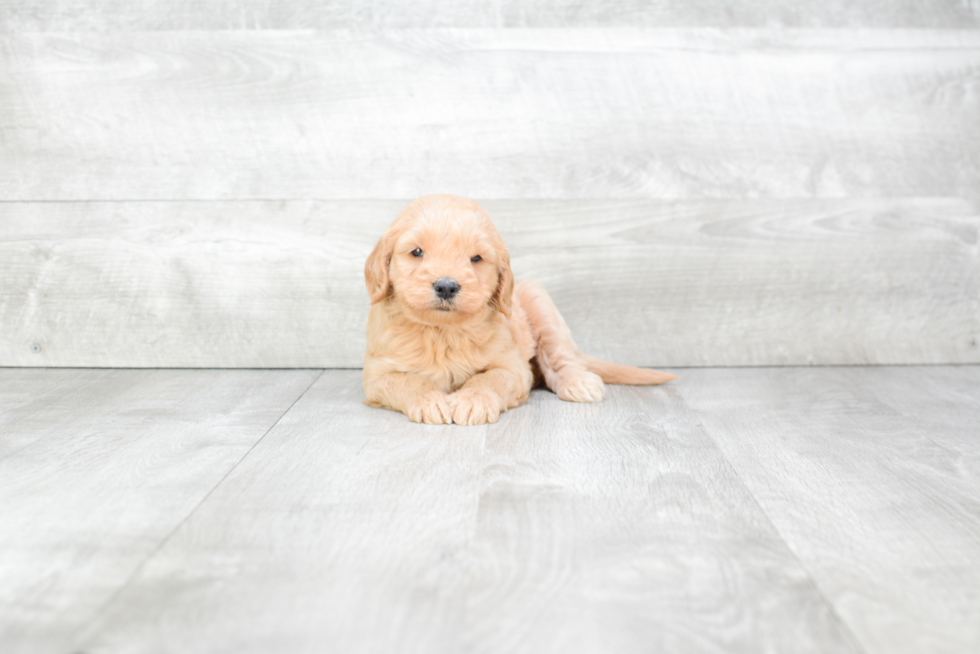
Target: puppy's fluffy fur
[{"x": 475, "y": 345}]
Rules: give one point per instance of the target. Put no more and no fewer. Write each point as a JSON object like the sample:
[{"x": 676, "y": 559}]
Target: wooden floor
[{"x": 735, "y": 510}]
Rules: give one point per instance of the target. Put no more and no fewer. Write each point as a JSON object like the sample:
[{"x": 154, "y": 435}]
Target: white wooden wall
[{"x": 711, "y": 182}]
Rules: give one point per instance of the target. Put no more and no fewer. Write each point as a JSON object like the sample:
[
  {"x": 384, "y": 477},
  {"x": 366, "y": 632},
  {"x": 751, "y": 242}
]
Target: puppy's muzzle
[{"x": 446, "y": 288}]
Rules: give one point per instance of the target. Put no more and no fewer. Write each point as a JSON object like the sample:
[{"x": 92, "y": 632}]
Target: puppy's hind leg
[{"x": 563, "y": 367}]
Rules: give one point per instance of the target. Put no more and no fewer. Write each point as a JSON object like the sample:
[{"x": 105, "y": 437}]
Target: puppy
[{"x": 451, "y": 339}]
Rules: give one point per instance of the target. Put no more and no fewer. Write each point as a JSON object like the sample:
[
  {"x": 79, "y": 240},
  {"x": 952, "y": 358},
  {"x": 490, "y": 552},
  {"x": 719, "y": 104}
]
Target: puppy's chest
[{"x": 450, "y": 359}]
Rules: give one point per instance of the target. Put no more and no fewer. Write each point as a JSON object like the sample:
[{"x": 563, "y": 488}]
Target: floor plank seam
[
  {"x": 135, "y": 573},
  {"x": 845, "y": 627}
]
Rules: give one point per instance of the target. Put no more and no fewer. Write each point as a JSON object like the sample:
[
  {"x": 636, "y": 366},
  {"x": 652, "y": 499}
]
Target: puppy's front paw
[
  {"x": 474, "y": 407},
  {"x": 431, "y": 408},
  {"x": 582, "y": 386}
]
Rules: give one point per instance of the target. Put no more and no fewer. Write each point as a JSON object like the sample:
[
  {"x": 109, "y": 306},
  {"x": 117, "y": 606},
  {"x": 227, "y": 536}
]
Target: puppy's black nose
[{"x": 446, "y": 288}]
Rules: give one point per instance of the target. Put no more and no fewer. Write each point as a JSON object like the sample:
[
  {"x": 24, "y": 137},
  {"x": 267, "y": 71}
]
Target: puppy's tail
[{"x": 614, "y": 373}]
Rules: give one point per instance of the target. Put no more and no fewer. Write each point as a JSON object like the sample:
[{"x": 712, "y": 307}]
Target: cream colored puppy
[{"x": 451, "y": 339}]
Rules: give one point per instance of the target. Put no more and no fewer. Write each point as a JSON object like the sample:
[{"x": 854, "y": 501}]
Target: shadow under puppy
[{"x": 450, "y": 338}]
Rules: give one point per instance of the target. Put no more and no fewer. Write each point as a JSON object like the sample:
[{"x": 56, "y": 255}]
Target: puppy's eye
[
  {"x": 476, "y": 259},
  {"x": 417, "y": 252}
]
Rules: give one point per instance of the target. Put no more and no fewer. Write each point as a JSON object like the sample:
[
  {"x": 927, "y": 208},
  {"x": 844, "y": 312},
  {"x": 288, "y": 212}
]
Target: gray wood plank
[
  {"x": 115, "y": 15},
  {"x": 344, "y": 530},
  {"x": 620, "y": 527},
  {"x": 552, "y": 113},
  {"x": 879, "y": 499},
  {"x": 760, "y": 282},
  {"x": 583, "y": 528},
  {"x": 262, "y": 285},
  {"x": 97, "y": 467},
  {"x": 280, "y": 284},
  {"x": 944, "y": 400},
  {"x": 656, "y": 521}
]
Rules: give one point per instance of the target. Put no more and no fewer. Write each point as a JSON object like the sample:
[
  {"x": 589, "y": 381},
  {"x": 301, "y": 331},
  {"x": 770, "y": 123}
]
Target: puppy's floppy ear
[
  {"x": 376, "y": 270},
  {"x": 503, "y": 297}
]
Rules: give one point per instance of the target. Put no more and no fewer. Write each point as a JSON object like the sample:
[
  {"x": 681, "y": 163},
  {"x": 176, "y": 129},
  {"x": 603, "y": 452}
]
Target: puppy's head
[{"x": 442, "y": 261}]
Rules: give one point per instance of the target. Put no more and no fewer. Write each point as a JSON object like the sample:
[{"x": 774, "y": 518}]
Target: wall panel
[
  {"x": 567, "y": 113},
  {"x": 128, "y": 15},
  {"x": 280, "y": 284},
  {"x": 698, "y": 183}
]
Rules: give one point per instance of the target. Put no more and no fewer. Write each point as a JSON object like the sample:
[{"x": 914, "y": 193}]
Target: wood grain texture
[
  {"x": 945, "y": 399},
  {"x": 188, "y": 284},
  {"x": 529, "y": 113},
  {"x": 280, "y": 284},
  {"x": 780, "y": 509},
  {"x": 621, "y": 528},
  {"x": 115, "y": 15},
  {"x": 97, "y": 467},
  {"x": 582, "y": 529},
  {"x": 345, "y": 530},
  {"x": 872, "y": 476}
]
